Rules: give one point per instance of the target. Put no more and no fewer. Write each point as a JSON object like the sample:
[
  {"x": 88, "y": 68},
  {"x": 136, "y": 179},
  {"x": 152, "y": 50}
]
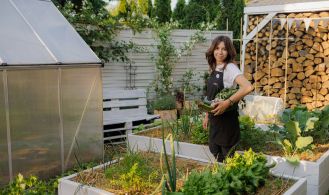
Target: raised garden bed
[
  {"x": 104, "y": 184},
  {"x": 316, "y": 172},
  {"x": 95, "y": 177}
]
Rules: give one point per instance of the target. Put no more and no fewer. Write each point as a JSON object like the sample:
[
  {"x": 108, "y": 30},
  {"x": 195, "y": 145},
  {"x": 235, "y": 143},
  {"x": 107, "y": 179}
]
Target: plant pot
[
  {"x": 179, "y": 105},
  {"x": 188, "y": 104},
  {"x": 167, "y": 114}
]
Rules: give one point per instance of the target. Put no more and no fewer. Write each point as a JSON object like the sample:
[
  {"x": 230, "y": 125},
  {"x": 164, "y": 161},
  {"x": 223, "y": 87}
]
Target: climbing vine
[{"x": 168, "y": 55}]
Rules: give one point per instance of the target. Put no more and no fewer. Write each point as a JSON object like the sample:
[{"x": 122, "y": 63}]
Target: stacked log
[
  {"x": 295, "y": 69},
  {"x": 252, "y": 22}
]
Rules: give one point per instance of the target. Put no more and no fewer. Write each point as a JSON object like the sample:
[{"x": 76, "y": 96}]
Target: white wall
[{"x": 114, "y": 74}]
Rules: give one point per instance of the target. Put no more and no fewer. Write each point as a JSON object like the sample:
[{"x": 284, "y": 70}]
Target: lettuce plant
[{"x": 241, "y": 174}]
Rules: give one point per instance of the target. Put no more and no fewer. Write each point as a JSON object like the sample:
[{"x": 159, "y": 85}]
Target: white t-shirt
[{"x": 230, "y": 73}]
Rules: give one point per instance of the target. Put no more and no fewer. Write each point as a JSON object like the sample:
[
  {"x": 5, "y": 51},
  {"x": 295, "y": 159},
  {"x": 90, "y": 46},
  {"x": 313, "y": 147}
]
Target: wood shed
[
  {"x": 50, "y": 92},
  {"x": 285, "y": 50}
]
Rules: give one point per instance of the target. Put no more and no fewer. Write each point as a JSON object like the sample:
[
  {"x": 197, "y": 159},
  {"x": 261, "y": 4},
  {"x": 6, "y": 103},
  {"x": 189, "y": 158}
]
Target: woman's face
[{"x": 220, "y": 53}]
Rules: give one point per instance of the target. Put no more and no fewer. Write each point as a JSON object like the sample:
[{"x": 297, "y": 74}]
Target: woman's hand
[
  {"x": 220, "y": 107},
  {"x": 205, "y": 122}
]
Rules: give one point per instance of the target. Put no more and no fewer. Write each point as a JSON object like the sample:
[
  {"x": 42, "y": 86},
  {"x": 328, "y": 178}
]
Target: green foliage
[
  {"x": 250, "y": 168},
  {"x": 233, "y": 11},
  {"x": 142, "y": 127},
  {"x": 195, "y": 14},
  {"x": 204, "y": 105},
  {"x": 162, "y": 10},
  {"x": 246, "y": 123},
  {"x": 124, "y": 165},
  {"x": 309, "y": 123},
  {"x": 143, "y": 4},
  {"x": 33, "y": 185},
  {"x": 133, "y": 173},
  {"x": 97, "y": 4},
  {"x": 133, "y": 14},
  {"x": 299, "y": 127},
  {"x": 321, "y": 129},
  {"x": 185, "y": 124},
  {"x": 232, "y": 20},
  {"x": 241, "y": 174},
  {"x": 150, "y": 9},
  {"x": 197, "y": 37},
  {"x": 199, "y": 134},
  {"x": 170, "y": 178},
  {"x": 294, "y": 142},
  {"x": 224, "y": 94},
  {"x": 168, "y": 55},
  {"x": 98, "y": 29},
  {"x": 252, "y": 137},
  {"x": 134, "y": 181},
  {"x": 205, "y": 183},
  {"x": 165, "y": 61},
  {"x": 30, "y": 185},
  {"x": 179, "y": 11},
  {"x": 200, "y": 12},
  {"x": 188, "y": 87},
  {"x": 166, "y": 102},
  {"x": 205, "y": 78},
  {"x": 299, "y": 114}
]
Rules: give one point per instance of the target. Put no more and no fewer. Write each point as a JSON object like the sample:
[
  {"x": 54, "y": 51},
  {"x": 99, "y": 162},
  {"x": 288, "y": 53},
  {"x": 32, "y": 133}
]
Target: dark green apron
[{"x": 224, "y": 129}]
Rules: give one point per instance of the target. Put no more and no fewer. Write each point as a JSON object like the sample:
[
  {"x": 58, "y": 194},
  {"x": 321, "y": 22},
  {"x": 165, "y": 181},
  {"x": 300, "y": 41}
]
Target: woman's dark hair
[{"x": 231, "y": 53}]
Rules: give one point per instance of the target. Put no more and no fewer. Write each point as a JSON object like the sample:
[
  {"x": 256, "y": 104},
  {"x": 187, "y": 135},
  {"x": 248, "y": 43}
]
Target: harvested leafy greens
[{"x": 224, "y": 94}]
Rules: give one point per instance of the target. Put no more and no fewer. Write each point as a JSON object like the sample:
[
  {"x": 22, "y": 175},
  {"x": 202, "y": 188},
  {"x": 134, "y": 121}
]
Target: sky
[{"x": 113, "y": 3}]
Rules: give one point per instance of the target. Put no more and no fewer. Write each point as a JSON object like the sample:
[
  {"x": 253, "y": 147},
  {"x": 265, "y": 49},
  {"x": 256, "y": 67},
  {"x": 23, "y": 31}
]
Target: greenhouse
[
  {"x": 50, "y": 92},
  {"x": 132, "y": 97}
]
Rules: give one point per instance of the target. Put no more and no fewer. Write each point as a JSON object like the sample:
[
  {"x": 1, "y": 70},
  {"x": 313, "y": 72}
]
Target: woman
[{"x": 224, "y": 131}]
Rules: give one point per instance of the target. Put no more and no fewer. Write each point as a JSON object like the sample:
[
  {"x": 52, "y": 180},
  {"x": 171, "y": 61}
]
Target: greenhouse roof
[{"x": 34, "y": 32}]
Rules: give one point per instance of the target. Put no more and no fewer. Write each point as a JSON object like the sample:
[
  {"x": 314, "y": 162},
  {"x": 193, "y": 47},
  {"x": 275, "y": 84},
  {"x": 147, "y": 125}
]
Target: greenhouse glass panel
[
  {"x": 18, "y": 43},
  {"x": 34, "y": 120},
  {"x": 4, "y": 166},
  {"x": 82, "y": 115},
  {"x": 59, "y": 36}
]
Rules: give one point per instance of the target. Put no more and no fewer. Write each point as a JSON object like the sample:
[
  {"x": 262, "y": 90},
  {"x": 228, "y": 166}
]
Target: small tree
[{"x": 162, "y": 10}]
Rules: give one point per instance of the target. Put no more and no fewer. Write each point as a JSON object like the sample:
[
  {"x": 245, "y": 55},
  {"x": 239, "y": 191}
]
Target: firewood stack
[
  {"x": 303, "y": 76},
  {"x": 252, "y": 23}
]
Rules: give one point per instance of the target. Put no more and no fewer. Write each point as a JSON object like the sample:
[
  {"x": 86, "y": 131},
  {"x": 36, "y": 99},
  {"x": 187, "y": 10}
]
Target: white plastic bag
[{"x": 263, "y": 109}]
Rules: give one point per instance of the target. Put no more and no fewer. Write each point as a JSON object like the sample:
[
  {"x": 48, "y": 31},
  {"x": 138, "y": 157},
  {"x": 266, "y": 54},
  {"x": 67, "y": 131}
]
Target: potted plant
[{"x": 179, "y": 101}]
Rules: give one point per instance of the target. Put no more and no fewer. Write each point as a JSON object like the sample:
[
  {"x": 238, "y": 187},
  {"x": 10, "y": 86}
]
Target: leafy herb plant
[
  {"x": 241, "y": 174},
  {"x": 31, "y": 185}
]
